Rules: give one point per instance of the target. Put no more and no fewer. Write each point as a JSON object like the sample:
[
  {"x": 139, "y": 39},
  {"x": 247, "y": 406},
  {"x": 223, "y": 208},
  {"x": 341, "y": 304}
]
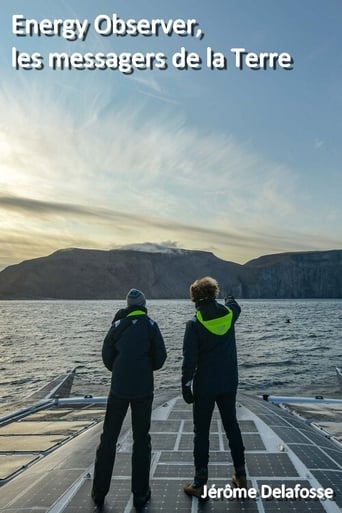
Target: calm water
[{"x": 41, "y": 339}]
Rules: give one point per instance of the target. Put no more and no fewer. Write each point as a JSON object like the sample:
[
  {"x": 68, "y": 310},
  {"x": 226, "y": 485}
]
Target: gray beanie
[{"x": 135, "y": 297}]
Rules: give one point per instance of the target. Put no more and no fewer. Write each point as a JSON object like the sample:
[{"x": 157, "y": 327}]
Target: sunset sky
[{"x": 238, "y": 162}]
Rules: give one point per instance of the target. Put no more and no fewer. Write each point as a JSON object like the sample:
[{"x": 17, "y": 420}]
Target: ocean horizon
[{"x": 284, "y": 346}]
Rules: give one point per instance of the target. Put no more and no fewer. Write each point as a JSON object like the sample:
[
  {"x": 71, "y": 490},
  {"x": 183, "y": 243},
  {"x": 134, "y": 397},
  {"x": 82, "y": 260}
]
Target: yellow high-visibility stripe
[
  {"x": 136, "y": 312},
  {"x": 218, "y": 326}
]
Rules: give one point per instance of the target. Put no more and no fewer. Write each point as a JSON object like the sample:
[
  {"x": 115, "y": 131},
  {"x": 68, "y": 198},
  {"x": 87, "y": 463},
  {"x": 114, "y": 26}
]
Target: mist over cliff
[{"x": 167, "y": 273}]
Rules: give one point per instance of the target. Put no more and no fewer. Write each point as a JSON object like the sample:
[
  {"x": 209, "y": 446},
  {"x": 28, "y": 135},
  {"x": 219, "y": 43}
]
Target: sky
[{"x": 239, "y": 162}]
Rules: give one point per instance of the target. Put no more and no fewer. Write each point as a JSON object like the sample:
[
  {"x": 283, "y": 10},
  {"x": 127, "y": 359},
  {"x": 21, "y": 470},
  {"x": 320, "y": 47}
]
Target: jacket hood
[{"x": 218, "y": 325}]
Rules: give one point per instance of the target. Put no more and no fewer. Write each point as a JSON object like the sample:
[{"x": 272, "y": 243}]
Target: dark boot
[
  {"x": 239, "y": 478},
  {"x": 141, "y": 500},
  {"x": 196, "y": 487},
  {"x": 98, "y": 501}
]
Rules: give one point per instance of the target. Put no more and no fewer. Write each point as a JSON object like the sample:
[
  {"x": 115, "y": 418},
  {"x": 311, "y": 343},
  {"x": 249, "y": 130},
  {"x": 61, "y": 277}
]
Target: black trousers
[
  {"x": 202, "y": 413},
  {"x": 141, "y": 456}
]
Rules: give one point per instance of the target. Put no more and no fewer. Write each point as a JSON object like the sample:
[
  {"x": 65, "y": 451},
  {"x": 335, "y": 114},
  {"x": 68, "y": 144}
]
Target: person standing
[
  {"x": 210, "y": 376},
  {"x": 132, "y": 349}
]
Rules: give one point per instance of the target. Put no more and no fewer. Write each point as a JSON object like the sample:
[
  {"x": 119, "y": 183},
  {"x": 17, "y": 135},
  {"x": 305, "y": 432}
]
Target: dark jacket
[
  {"x": 209, "y": 351},
  {"x": 132, "y": 349}
]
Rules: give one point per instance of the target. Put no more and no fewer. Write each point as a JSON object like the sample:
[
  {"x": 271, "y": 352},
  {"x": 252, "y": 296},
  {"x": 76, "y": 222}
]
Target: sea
[{"x": 285, "y": 347}]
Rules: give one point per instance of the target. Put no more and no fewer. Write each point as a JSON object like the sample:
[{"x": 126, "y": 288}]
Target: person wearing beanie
[
  {"x": 132, "y": 349},
  {"x": 210, "y": 376},
  {"x": 135, "y": 298}
]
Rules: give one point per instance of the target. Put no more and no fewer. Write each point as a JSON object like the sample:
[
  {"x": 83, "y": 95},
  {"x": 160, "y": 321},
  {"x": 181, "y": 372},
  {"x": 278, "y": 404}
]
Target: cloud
[
  {"x": 101, "y": 152},
  {"x": 47, "y": 226},
  {"x": 100, "y": 172},
  {"x": 32, "y": 208}
]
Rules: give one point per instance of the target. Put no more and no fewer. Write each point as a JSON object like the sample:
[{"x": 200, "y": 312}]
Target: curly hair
[{"x": 204, "y": 288}]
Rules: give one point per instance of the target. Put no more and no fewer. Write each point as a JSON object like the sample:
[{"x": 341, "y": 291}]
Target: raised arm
[{"x": 234, "y": 306}]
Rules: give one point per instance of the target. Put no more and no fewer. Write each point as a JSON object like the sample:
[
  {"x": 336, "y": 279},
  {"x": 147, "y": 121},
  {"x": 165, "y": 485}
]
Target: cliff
[
  {"x": 94, "y": 274},
  {"x": 316, "y": 274}
]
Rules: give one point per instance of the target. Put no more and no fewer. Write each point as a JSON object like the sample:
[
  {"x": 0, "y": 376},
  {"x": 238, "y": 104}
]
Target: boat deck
[{"x": 281, "y": 449}]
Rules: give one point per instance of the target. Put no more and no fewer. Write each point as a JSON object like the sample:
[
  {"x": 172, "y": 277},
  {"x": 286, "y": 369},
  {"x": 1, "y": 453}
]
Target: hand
[
  {"x": 228, "y": 299},
  {"x": 187, "y": 395}
]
